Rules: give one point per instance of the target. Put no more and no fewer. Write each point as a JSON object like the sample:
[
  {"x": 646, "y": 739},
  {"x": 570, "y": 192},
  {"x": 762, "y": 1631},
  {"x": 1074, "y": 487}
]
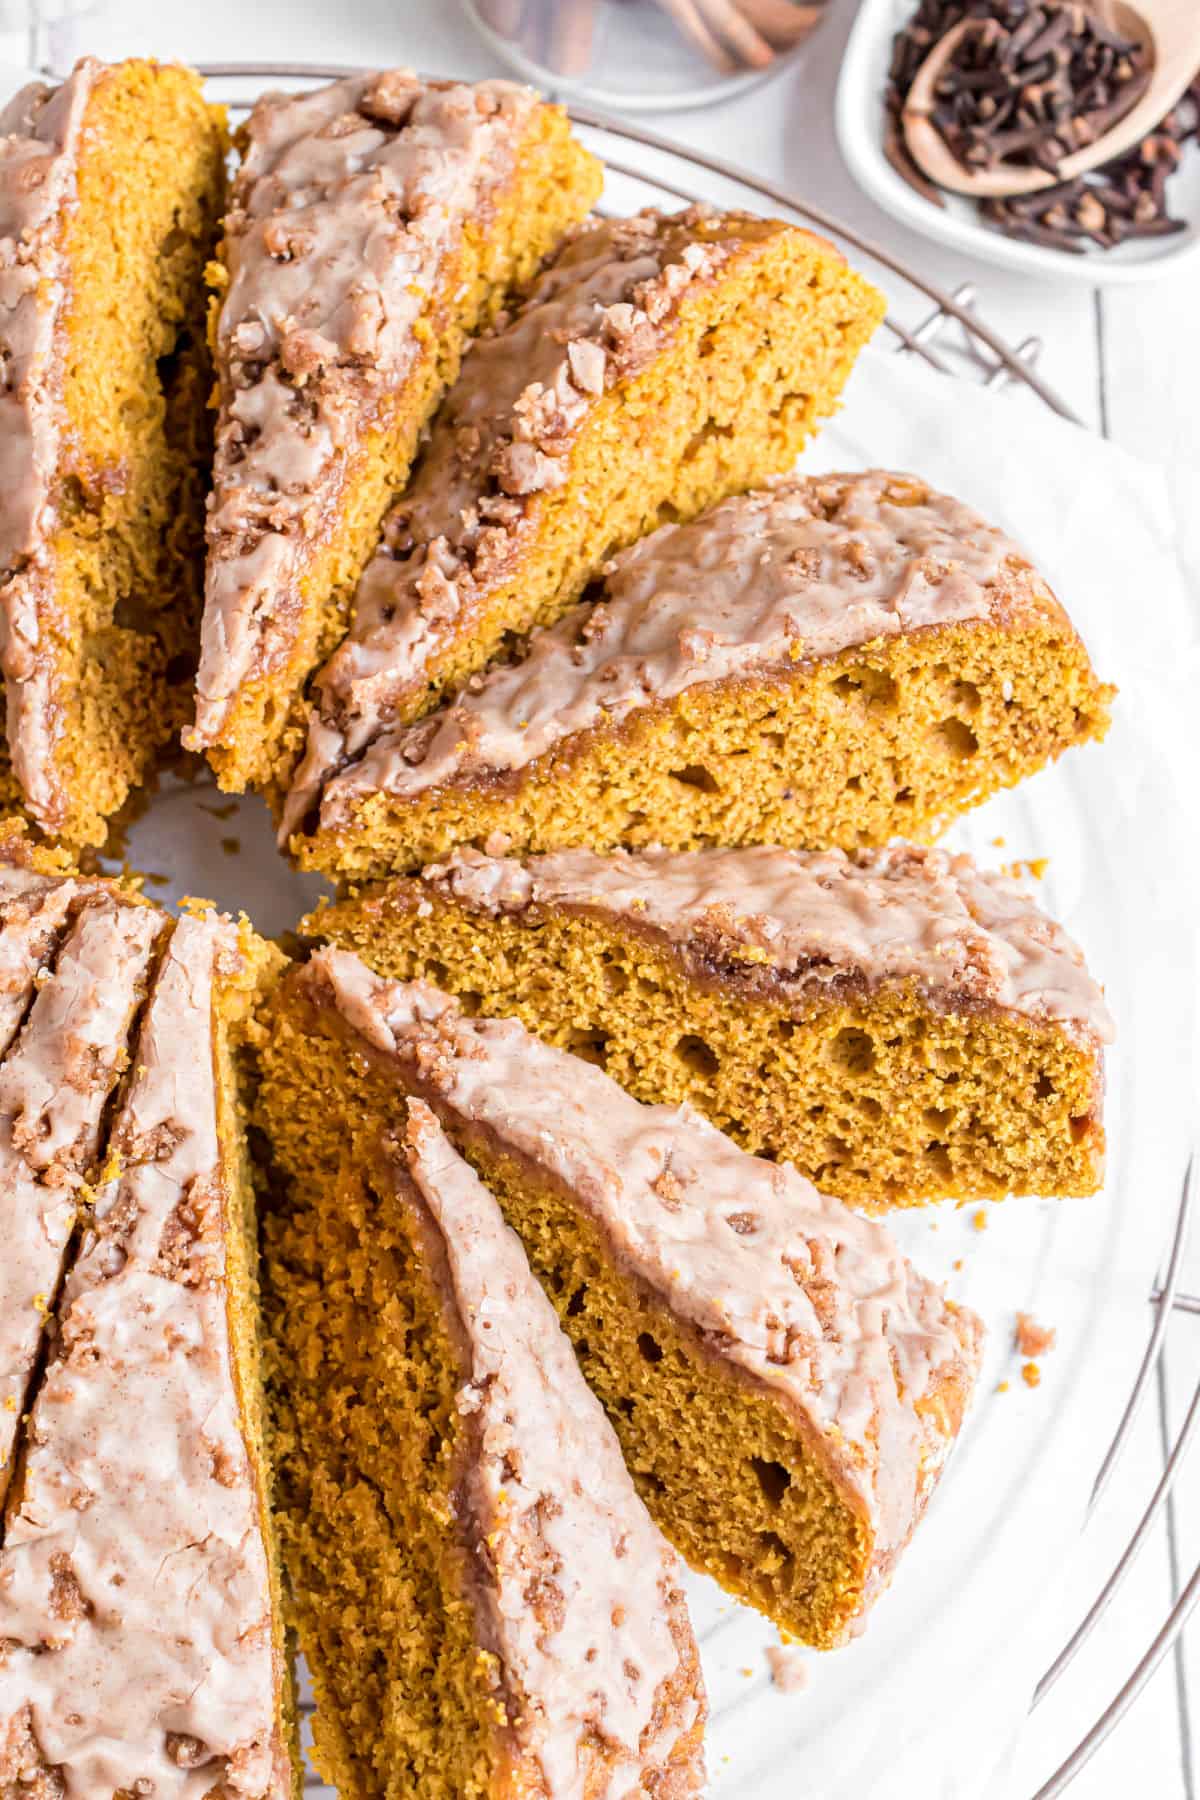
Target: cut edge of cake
[
  {"x": 111, "y": 188},
  {"x": 834, "y": 660},
  {"x": 743, "y": 1337},
  {"x": 658, "y": 364},
  {"x": 438, "y": 198},
  {"x": 900, "y": 1024},
  {"x": 535, "y": 1584}
]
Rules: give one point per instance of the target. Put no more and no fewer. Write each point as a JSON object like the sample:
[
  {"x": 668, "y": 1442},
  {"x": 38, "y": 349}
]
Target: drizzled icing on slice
[
  {"x": 598, "y": 315},
  {"x": 39, "y": 138},
  {"x": 812, "y": 918},
  {"x": 347, "y": 206},
  {"x": 580, "y": 1590},
  {"x": 801, "y": 570},
  {"x": 810, "y": 1299},
  {"x": 134, "y": 1587},
  {"x": 33, "y": 916},
  {"x": 39, "y": 132},
  {"x": 53, "y": 1088}
]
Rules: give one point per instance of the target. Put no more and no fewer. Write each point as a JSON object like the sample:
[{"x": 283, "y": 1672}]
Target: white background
[{"x": 1128, "y": 363}]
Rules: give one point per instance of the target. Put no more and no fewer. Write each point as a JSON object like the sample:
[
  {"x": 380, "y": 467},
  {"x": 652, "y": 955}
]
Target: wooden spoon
[{"x": 1170, "y": 32}]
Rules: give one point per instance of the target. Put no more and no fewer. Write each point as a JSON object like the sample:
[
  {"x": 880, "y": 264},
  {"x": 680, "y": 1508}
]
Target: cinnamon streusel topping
[
  {"x": 347, "y": 204},
  {"x": 135, "y": 1597},
  {"x": 597, "y": 315},
  {"x": 581, "y": 1587},
  {"x": 801, "y": 570},
  {"x": 809, "y": 1298},
  {"x": 806, "y": 921}
]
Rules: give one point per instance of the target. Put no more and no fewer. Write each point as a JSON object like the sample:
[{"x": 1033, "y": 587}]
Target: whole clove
[{"x": 1030, "y": 83}]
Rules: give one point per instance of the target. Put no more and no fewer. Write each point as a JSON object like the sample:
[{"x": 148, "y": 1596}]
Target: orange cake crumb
[{"x": 1032, "y": 1339}]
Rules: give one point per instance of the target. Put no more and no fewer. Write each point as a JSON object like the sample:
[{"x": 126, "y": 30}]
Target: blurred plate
[{"x": 624, "y": 54}]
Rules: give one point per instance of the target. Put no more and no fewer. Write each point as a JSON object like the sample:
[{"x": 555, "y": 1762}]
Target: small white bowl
[{"x": 860, "y": 126}]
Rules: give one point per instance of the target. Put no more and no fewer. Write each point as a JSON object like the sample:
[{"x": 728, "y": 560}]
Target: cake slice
[
  {"x": 899, "y": 1024},
  {"x": 111, "y": 188},
  {"x": 658, "y": 364},
  {"x": 830, "y": 662},
  {"x": 33, "y": 914},
  {"x": 140, "y": 1618},
  {"x": 785, "y": 1387},
  {"x": 481, "y": 1596},
  {"x": 54, "y": 1084},
  {"x": 375, "y": 224}
]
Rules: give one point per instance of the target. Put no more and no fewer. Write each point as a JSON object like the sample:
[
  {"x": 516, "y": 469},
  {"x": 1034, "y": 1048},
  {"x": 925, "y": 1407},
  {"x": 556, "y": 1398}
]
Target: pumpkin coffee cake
[
  {"x": 141, "y": 1636},
  {"x": 658, "y": 364},
  {"x": 111, "y": 189},
  {"x": 898, "y": 1023},
  {"x": 376, "y": 223},
  {"x": 85, "y": 985},
  {"x": 784, "y": 1427},
  {"x": 484, "y": 1603},
  {"x": 832, "y": 661}
]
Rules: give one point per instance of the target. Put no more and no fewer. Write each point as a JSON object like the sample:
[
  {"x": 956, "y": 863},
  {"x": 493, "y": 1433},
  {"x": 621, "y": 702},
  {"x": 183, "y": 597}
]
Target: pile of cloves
[{"x": 1033, "y": 81}]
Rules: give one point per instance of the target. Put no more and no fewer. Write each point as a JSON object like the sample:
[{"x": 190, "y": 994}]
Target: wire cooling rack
[{"x": 949, "y": 335}]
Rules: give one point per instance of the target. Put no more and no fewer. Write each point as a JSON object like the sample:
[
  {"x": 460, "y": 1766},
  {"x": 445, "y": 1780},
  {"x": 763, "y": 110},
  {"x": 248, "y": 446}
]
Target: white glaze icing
[
  {"x": 811, "y": 1300},
  {"x": 53, "y": 1088},
  {"x": 893, "y": 915},
  {"x": 134, "y": 1592},
  {"x": 33, "y": 915},
  {"x": 39, "y": 136},
  {"x": 551, "y": 1499},
  {"x": 39, "y": 131},
  {"x": 349, "y": 201},
  {"x": 798, "y": 571}
]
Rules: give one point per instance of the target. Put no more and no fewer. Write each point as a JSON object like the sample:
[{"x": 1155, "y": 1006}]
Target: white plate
[
  {"x": 928, "y": 1699},
  {"x": 860, "y": 119}
]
